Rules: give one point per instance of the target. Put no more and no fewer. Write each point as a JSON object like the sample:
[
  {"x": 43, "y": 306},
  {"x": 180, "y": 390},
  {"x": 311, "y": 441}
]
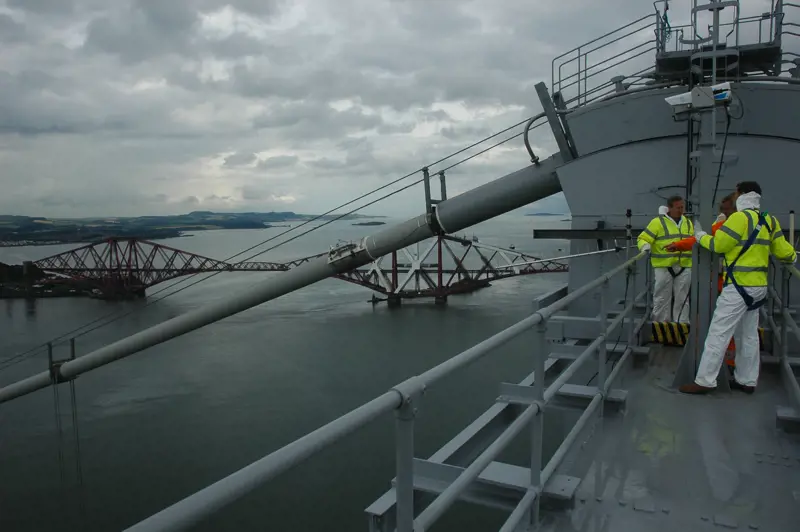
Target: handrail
[
  {"x": 783, "y": 274},
  {"x": 534, "y": 158},
  {"x": 585, "y": 70},
  {"x": 401, "y": 398},
  {"x": 557, "y": 80}
]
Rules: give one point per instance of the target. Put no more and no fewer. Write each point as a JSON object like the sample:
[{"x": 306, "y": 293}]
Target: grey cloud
[
  {"x": 191, "y": 200},
  {"x": 465, "y": 132},
  {"x": 259, "y": 8},
  {"x": 250, "y": 192},
  {"x": 279, "y": 161},
  {"x": 11, "y": 30},
  {"x": 31, "y": 105},
  {"x": 308, "y": 121},
  {"x": 327, "y": 164},
  {"x": 145, "y": 29},
  {"x": 437, "y": 114},
  {"x": 390, "y": 129},
  {"x": 59, "y": 7},
  {"x": 101, "y": 100},
  {"x": 239, "y": 159},
  {"x": 262, "y": 194}
]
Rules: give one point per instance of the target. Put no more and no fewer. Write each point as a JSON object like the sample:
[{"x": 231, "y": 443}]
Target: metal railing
[
  {"x": 786, "y": 28},
  {"x": 574, "y": 73},
  {"x": 404, "y": 400},
  {"x": 576, "y": 61},
  {"x": 779, "y": 305}
]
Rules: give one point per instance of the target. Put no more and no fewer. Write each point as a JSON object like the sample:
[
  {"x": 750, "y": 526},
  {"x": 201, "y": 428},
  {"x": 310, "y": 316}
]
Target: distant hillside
[{"x": 39, "y": 230}]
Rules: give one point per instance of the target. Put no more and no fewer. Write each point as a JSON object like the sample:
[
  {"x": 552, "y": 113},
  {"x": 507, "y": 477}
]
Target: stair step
[{"x": 498, "y": 486}]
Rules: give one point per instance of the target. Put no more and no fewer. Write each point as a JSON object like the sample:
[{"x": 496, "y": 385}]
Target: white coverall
[
  {"x": 671, "y": 294},
  {"x": 731, "y": 317}
]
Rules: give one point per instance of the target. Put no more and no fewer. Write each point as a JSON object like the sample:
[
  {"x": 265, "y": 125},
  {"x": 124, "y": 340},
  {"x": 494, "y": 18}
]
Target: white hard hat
[{"x": 663, "y": 210}]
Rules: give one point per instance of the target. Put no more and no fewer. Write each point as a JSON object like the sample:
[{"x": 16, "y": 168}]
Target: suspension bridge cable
[{"x": 18, "y": 358}]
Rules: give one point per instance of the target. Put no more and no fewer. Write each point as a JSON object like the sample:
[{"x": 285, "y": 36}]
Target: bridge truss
[{"x": 437, "y": 268}]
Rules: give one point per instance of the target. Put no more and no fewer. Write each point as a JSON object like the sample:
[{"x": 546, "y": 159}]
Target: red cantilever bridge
[{"x": 125, "y": 267}]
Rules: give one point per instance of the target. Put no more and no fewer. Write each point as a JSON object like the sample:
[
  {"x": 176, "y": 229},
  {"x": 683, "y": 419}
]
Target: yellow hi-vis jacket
[
  {"x": 752, "y": 267},
  {"x": 661, "y": 232}
]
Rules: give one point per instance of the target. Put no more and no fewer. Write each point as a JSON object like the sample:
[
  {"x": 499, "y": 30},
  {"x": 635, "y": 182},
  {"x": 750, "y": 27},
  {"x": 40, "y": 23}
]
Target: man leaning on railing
[{"x": 746, "y": 239}]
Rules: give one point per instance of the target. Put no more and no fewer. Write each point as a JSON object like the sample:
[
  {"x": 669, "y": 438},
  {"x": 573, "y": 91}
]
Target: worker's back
[{"x": 750, "y": 267}]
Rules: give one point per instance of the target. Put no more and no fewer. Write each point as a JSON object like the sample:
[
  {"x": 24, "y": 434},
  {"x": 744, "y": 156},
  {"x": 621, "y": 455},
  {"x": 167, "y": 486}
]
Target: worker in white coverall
[
  {"x": 672, "y": 270},
  {"x": 746, "y": 240}
]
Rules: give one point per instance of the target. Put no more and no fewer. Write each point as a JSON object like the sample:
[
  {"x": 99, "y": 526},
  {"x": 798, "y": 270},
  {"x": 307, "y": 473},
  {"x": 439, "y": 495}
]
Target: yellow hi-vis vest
[
  {"x": 752, "y": 267},
  {"x": 661, "y": 232}
]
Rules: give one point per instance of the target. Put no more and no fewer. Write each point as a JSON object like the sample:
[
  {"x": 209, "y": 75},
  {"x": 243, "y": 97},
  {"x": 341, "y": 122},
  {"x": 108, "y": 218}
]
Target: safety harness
[{"x": 748, "y": 299}]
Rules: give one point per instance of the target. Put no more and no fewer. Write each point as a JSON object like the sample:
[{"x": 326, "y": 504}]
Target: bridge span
[{"x": 119, "y": 268}]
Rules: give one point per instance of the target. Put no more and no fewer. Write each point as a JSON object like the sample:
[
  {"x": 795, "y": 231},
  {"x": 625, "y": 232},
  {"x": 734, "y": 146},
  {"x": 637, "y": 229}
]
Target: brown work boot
[
  {"x": 694, "y": 388},
  {"x": 746, "y": 389}
]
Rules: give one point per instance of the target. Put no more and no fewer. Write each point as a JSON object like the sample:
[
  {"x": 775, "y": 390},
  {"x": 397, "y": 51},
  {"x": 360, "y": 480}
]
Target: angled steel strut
[{"x": 477, "y": 205}]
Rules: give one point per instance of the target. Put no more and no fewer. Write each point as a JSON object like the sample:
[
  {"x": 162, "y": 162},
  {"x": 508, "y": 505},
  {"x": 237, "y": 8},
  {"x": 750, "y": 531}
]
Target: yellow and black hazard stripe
[
  {"x": 674, "y": 333},
  {"x": 670, "y": 333}
]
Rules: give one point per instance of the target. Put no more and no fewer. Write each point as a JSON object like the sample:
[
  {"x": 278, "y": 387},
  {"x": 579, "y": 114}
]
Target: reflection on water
[{"x": 30, "y": 307}]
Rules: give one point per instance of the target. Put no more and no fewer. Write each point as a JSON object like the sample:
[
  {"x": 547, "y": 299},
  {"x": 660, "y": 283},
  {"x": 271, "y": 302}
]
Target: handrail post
[
  {"x": 632, "y": 292},
  {"x": 426, "y": 181},
  {"x": 785, "y": 279},
  {"x": 537, "y": 424},
  {"x": 404, "y": 463},
  {"x": 771, "y": 302},
  {"x": 603, "y": 351},
  {"x": 631, "y": 288},
  {"x": 648, "y": 277}
]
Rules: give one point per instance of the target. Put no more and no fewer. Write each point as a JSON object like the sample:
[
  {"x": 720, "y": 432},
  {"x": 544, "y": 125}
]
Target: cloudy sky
[{"x": 132, "y": 107}]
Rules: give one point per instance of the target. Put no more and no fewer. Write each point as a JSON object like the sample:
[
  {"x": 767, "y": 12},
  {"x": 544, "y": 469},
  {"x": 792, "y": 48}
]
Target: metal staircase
[{"x": 465, "y": 468}]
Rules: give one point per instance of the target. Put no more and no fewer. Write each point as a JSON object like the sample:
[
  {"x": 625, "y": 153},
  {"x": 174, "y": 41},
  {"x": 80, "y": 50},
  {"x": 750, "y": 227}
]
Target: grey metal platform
[{"x": 687, "y": 463}]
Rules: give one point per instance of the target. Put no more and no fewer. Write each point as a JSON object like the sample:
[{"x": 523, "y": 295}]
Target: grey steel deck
[{"x": 677, "y": 462}]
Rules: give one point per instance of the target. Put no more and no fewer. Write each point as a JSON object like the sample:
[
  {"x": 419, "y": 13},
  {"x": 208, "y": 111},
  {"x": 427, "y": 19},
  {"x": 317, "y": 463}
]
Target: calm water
[{"x": 166, "y": 422}]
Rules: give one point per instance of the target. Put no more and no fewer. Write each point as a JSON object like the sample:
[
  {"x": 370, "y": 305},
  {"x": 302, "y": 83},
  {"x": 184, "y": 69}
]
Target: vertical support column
[
  {"x": 703, "y": 268},
  {"x": 552, "y": 118},
  {"x": 703, "y": 287},
  {"x": 426, "y": 181},
  {"x": 602, "y": 353},
  {"x": 443, "y": 185},
  {"x": 537, "y": 424},
  {"x": 404, "y": 463},
  {"x": 441, "y": 295}
]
